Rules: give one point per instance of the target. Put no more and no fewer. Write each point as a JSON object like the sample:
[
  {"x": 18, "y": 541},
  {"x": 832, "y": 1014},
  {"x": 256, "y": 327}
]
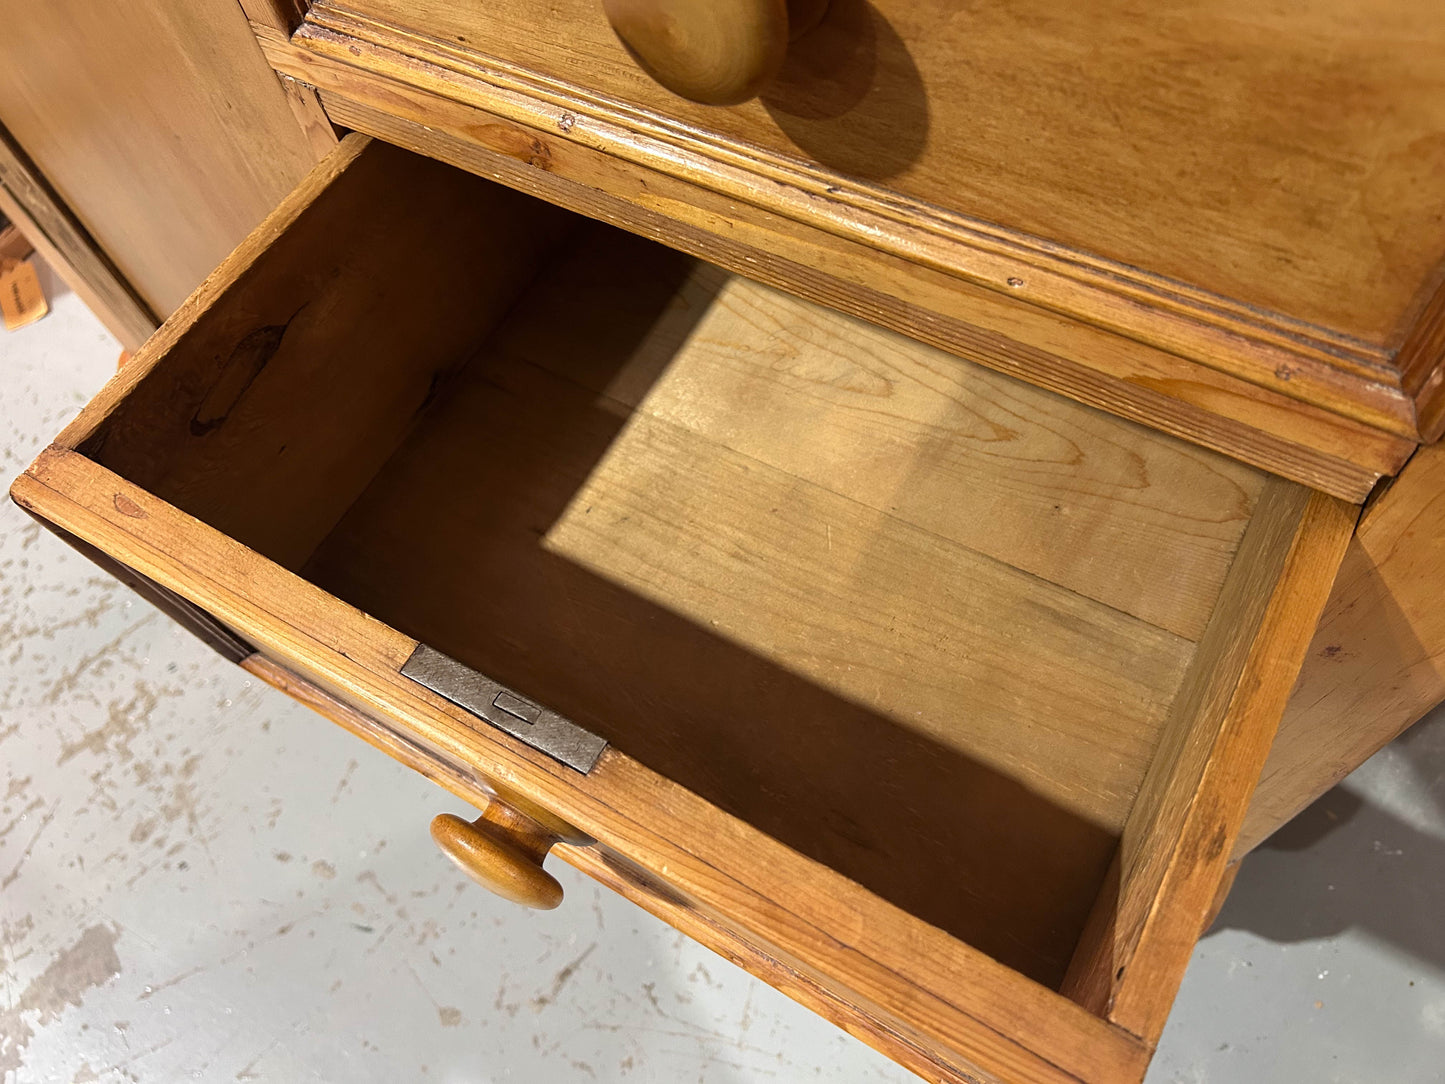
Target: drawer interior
[{"x": 916, "y": 620}]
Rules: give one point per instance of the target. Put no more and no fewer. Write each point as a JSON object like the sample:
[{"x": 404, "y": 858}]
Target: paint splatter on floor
[{"x": 88, "y": 963}]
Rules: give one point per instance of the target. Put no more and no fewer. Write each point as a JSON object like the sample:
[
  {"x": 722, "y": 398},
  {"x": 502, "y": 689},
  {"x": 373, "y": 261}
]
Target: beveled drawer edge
[
  {"x": 1301, "y": 442},
  {"x": 323, "y": 54},
  {"x": 1270, "y": 348},
  {"x": 989, "y": 1013}
]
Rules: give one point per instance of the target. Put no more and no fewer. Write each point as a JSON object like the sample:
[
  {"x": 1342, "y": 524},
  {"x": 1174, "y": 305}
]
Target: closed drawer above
[
  {"x": 931, "y": 696},
  {"x": 1220, "y": 220}
]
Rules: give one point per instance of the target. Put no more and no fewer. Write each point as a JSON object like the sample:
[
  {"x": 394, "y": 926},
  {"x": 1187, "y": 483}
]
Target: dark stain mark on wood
[
  {"x": 1216, "y": 844},
  {"x": 127, "y": 507},
  {"x": 432, "y": 388},
  {"x": 248, "y": 358},
  {"x": 519, "y": 143},
  {"x": 643, "y": 879}
]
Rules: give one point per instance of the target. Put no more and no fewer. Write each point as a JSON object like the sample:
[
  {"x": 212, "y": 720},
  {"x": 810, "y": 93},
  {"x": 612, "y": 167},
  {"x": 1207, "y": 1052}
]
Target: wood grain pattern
[
  {"x": 1377, "y": 661},
  {"x": 49, "y": 226},
  {"x": 898, "y": 678},
  {"x": 1181, "y": 831},
  {"x": 159, "y": 125},
  {"x": 684, "y": 586},
  {"x": 879, "y": 963},
  {"x": 282, "y": 15},
  {"x": 334, "y": 314},
  {"x": 1118, "y": 375},
  {"x": 1159, "y": 207},
  {"x": 1114, "y": 167},
  {"x": 227, "y": 274},
  {"x": 1058, "y": 734},
  {"x": 1017, "y": 474},
  {"x": 306, "y": 107}
]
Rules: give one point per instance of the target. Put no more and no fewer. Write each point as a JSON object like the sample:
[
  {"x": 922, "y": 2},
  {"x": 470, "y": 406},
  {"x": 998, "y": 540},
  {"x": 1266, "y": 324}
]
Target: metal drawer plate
[{"x": 541, "y": 728}]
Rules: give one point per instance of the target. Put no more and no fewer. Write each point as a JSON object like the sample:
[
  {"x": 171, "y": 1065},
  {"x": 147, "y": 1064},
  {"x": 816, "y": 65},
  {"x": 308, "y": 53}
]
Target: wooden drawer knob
[
  {"x": 502, "y": 850},
  {"x": 718, "y": 52}
]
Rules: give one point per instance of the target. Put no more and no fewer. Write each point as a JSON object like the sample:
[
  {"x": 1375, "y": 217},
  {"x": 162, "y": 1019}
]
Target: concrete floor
[{"x": 200, "y": 880}]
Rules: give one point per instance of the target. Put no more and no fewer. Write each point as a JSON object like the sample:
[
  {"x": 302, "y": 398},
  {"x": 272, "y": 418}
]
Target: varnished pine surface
[
  {"x": 937, "y": 1004},
  {"x": 503, "y": 853},
  {"x": 812, "y": 534},
  {"x": 690, "y": 529},
  {"x": 718, "y": 53},
  {"x": 1191, "y": 804},
  {"x": 1296, "y": 427},
  {"x": 1272, "y": 166},
  {"x": 1278, "y": 156},
  {"x": 999, "y": 466},
  {"x": 31, "y": 204}
]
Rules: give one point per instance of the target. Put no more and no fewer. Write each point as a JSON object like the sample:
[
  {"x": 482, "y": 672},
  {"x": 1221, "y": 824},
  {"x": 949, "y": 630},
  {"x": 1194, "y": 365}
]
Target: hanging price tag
[{"x": 21, "y": 300}]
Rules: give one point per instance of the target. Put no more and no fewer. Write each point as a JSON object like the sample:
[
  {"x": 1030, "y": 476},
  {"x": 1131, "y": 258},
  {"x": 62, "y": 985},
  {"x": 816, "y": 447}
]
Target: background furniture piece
[
  {"x": 28, "y": 200},
  {"x": 1222, "y": 349},
  {"x": 159, "y": 128}
]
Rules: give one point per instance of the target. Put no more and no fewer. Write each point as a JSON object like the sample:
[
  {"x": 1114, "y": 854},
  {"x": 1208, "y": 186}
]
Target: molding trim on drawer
[
  {"x": 1302, "y": 360},
  {"x": 1197, "y": 404},
  {"x": 1307, "y": 436}
]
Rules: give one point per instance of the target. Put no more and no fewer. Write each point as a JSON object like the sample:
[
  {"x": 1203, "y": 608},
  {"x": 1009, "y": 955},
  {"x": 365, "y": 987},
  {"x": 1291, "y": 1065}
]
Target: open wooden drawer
[{"x": 932, "y": 698}]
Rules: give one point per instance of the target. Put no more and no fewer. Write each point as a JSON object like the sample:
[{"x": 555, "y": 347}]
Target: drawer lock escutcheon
[{"x": 527, "y": 721}]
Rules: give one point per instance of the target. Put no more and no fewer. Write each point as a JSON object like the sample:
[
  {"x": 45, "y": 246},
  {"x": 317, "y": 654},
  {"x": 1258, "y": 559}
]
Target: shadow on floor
[{"x": 1349, "y": 862}]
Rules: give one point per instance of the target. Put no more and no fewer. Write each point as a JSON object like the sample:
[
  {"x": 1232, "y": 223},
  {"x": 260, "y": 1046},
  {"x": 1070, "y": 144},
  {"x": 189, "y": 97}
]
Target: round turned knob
[
  {"x": 502, "y": 850},
  {"x": 718, "y": 52}
]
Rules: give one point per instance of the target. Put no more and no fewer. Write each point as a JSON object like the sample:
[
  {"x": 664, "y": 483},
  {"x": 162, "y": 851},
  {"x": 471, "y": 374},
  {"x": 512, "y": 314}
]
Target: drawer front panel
[
  {"x": 1145, "y": 345},
  {"x": 917, "y": 104}
]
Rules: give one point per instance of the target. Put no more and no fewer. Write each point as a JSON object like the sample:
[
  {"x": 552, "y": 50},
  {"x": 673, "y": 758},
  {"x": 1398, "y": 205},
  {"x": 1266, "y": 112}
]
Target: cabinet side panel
[
  {"x": 1377, "y": 662},
  {"x": 159, "y": 123}
]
